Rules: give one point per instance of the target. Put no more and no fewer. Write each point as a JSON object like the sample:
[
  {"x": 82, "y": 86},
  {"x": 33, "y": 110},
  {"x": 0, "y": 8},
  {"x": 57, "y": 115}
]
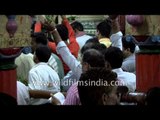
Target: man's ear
[
  {"x": 104, "y": 99},
  {"x": 87, "y": 66},
  {"x": 35, "y": 59}
]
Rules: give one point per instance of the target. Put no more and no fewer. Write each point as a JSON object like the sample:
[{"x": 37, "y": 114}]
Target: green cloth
[{"x": 60, "y": 66}]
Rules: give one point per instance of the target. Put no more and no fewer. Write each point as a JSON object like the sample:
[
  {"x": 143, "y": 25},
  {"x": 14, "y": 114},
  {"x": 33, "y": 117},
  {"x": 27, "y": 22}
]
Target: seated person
[
  {"x": 24, "y": 95},
  {"x": 129, "y": 61},
  {"x": 97, "y": 87},
  {"x": 42, "y": 76},
  {"x": 114, "y": 56}
]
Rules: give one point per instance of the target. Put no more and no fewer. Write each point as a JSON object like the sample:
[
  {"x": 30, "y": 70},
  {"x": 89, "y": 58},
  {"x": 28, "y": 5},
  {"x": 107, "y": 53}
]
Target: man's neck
[{"x": 80, "y": 33}]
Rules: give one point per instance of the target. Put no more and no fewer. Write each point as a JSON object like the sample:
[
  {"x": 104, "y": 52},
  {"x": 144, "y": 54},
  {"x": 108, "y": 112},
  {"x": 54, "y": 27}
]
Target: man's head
[
  {"x": 38, "y": 39},
  {"x": 128, "y": 45},
  {"x": 94, "y": 89},
  {"x": 63, "y": 31},
  {"x": 92, "y": 40},
  {"x": 114, "y": 56},
  {"x": 104, "y": 29},
  {"x": 42, "y": 54},
  {"x": 94, "y": 45},
  {"x": 92, "y": 58},
  {"x": 77, "y": 27}
]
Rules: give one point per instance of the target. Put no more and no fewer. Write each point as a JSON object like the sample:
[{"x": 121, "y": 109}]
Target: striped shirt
[{"x": 72, "y": 97}]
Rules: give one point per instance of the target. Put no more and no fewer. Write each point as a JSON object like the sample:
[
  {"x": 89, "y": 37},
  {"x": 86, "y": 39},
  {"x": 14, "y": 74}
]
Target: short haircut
[
  {"x": 114, "y": 56},
  {"x": 40, "y": 38},
  {"x": 91, "y": 94},
  {"x": 43, "y": 53},
  {"x": 105, "y": 28},
  {"x": 63, "y": 31},
  {"x": 94, "y": 58},
  {"x": 77, "y": 25},
  {"x": 92, "y": 40},
  {"x": 92, "y": 45},
  {"x": 127, "y": 42}
]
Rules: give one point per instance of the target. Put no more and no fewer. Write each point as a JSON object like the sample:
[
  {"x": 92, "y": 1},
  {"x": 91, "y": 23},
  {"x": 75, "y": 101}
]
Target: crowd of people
[{"x": 77, "y": 69}]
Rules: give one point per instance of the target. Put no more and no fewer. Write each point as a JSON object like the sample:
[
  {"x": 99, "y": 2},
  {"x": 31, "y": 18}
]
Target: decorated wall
[
  {"x": 22, "y": 34},
  {"x": 150, "y": 26}
]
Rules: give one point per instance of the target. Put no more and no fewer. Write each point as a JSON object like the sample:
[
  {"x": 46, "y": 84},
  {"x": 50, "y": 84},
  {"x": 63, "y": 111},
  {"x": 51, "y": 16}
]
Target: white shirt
[
  {"x": 82, "y": 40},
  {"x": 70, "y": 60},
  {"x": 116, "y": 39},
  {"x": 43, "y": 77},
  {"x": 128, "y": 79},
  {"x": 128, "y": 64},
  {"x": 23, "y": 97}
]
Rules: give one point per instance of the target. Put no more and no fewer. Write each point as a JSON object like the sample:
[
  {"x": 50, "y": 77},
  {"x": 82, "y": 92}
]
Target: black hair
[
  {"x": 86, "y": 47},
  {"x": 105, "y": 28},
  {"x": 92, "y": 40},
  {"x": 40, "y": 38},
  {"x": 100, "y": 47},
  {"x": 91, "y": 94},
  {"x": 127, "y": 42},
  {"x": 43, "y": 53},
  {"x": 63, "y": 31},
  {"x": 94, "y": 58},
  {"x": 114, "y": 56},
  {"x": 77, "y": 25},
  {"x": 153, "y": 96},
  {"x": 7, "y": 100}
]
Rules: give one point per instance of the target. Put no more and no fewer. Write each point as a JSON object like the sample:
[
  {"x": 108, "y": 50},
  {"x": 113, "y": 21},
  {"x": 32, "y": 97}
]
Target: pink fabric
[{"x": 72, "y": 97}]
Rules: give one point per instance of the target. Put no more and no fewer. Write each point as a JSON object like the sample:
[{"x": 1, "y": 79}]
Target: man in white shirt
[
  {"x": 42, "y": 76},
  {"x": 114, "y": 56},
  {"x": 129, "y": 61},
  {"x": 81, "y": 36},
  {"x": 24, "y": 95},
  {"x": 116, "y": 37}
]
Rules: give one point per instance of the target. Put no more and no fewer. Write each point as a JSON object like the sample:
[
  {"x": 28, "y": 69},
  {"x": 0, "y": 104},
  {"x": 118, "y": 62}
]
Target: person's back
[
  {"x": 103, "y": 32},
  {"x": 114, "y": 56},
  {"x": 82, "y": 40},
  {"x": 42, "y": 76},
  {"x": 128, "y": 79},
  {"x": 47, "y": 78}
]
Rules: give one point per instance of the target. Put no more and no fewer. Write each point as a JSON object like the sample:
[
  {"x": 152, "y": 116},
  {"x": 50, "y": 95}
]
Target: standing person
[
  {"x": 67, "y": 34},
  {"x": 104, "y": 31},
  {"x": 81, "y": 36},
  {"x": 116, "y": 34},
  {"x": 42, "y": 76}
]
